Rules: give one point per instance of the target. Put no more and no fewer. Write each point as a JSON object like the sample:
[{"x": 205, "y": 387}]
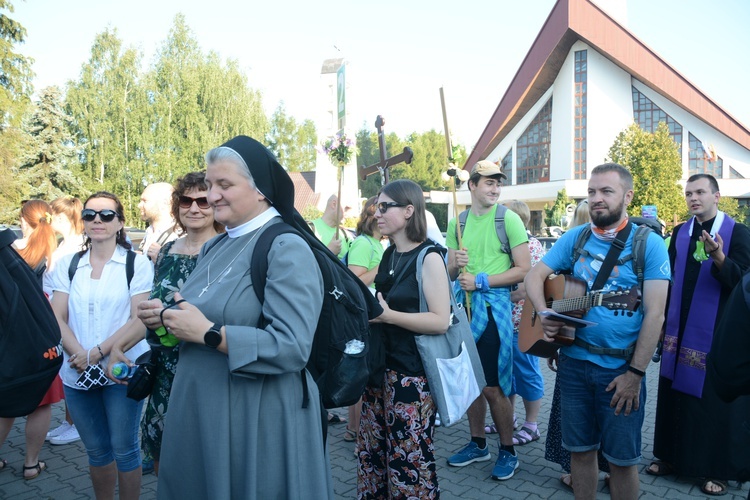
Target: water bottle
[{"x": 121, "y": 371}]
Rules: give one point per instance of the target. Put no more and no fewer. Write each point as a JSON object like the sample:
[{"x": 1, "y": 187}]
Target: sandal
[
  {"x": 660, "y": 468},
  {"x": 490, "y": 429},
  {"x": 334, "y": 419},
  {"x": 3, "y": 464},
  {"x": 349, "y": 435},
  {"x": 721, "y": 484},
  {"x": 525, "y": 436},
  {"x": 567, "y": 481},
  {"x": 39, "y": 467}
]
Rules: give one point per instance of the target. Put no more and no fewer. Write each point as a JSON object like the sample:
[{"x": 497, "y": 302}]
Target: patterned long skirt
[{"x": 396, "y": 453}]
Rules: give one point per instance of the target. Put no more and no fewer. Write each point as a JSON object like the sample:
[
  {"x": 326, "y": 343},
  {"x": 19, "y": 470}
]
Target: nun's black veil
[{"x": 274, "y": 182}]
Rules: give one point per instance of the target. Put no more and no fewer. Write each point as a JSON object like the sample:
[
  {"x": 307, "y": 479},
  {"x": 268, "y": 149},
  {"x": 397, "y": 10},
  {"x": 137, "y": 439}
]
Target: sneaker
[
  {"x": 437, "y": 420},
  {"x": 58, "y": 430},
  {"x": 69, "y": 436},
  {"x": 505, "y": 466},
  {"x": 470, "y": 454},
  {"x": 147, "y": 466}
]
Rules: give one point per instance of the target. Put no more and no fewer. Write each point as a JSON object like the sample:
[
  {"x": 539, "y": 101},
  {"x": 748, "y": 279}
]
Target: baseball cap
[{"x": 487, "y": 168}]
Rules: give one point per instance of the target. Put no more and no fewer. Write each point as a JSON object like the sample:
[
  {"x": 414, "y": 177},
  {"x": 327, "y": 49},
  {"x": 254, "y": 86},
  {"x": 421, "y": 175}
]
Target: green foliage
[
  {"x": 553, "y": 215},
  {"x": 654, "y": 161},
  {"x": 732, "y": 208},
  {"x": 45, "y": 165},
  {"x": 292, "y": 143},
  {"x": 311, "y": 212}
]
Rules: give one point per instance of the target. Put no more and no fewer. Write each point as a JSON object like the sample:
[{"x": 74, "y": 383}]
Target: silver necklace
[
  {"x": 393, "y": 268},
  {"x": 228, "y": 268}
]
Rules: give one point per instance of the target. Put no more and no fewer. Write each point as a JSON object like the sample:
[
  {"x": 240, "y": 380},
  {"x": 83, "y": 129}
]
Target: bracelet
[
  {"x": 100, "y": 351},
  {"x": 638, "y": 372}
]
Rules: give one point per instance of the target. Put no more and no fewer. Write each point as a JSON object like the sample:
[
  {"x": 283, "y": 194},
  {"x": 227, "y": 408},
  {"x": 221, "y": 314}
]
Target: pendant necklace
[
  {"x": 228, "y": 268},
  {"x": 393, "y": 268}
]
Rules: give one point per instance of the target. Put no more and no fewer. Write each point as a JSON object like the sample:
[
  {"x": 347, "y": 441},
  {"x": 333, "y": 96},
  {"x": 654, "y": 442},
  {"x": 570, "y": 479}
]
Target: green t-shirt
[
  {"x": 365, "y": 251},
  {"x": 479, "y": 237},
  {"x": 325, "y": 233}
]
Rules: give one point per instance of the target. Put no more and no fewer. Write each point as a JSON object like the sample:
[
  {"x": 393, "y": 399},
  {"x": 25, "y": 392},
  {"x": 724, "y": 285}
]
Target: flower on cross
[{"x": 339, "y": 149}]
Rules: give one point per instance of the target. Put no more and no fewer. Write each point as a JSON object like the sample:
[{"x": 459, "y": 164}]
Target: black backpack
[
  {"x": 129, "y": 265},
  {"x": 30, "y": 341},
  {"x": 344, "y": 321}
]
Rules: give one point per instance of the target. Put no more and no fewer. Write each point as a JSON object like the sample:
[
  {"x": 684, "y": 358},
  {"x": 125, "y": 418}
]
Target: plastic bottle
[{"x": 121, "y": 371}]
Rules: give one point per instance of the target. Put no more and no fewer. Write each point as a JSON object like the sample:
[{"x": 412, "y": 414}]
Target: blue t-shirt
[{"x": 614, "y": 329}]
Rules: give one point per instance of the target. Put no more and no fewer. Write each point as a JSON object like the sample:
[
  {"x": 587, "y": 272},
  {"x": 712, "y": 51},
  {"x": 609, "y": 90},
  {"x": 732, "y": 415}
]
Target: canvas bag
[{"x": 451, "y": 361}]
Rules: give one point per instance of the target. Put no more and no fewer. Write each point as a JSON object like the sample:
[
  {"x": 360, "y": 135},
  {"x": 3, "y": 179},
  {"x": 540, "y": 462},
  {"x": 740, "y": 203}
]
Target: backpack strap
[
  {"x": 578, "y": 249},
  {"x": 259, "y": 267},
  {"x": 640, "y": 238},
  {"x": 129, "y": 265}
]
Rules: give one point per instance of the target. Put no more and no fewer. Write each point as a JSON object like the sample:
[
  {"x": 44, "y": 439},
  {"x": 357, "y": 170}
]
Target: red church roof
[{"x": 573, "y": 20}]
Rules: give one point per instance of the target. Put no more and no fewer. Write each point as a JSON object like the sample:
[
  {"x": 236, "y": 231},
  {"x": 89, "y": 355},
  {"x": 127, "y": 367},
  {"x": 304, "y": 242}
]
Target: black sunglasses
[
  {"x": 187, "y": 202},
  {"x": 383, "y": 206},
  {"x": 89, "y": 215}
]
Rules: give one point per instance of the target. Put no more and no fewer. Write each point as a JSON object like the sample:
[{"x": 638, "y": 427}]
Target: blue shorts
[
  {"x": 527, "y": 377},
  {"x": 107, "y": 421},
  {"x": 588, "y": 422}
]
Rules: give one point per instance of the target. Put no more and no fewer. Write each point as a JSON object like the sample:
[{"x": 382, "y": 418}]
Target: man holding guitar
[{"x": 602, "y": 373}]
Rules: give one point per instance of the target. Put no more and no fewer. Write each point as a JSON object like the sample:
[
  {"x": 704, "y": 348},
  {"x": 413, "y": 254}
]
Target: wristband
[
  {"x": 638, "y": 372},
  {"x": 481, "y": 282}
]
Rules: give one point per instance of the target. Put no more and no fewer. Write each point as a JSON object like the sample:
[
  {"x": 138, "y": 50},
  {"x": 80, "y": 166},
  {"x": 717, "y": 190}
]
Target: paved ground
[{"x": 67, "y": 476}]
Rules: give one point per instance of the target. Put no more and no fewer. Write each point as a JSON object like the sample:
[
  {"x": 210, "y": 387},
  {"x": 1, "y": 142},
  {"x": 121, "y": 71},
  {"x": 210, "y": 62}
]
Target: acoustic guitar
[{"x": 566, "y": 294}]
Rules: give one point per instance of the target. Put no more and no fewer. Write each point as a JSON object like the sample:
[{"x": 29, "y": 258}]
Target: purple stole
[{"x": 687, "y": 369}]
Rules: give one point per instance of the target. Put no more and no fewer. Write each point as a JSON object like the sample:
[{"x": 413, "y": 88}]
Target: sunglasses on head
[
  {"x": 89, "y": 215},
  {"x": 383, "y": 206},
  {"x": 187, "y": 202}
]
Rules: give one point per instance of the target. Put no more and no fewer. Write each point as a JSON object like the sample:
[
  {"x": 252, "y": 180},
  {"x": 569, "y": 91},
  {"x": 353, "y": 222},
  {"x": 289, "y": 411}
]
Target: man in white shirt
[{"x": 156, "y": 210}]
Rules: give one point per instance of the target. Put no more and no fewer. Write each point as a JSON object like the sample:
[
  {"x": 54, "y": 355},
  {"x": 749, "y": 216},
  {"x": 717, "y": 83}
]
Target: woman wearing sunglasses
[
  {"x": 174, "y": 263},
  {"x": 94, "y": 310},
  {"x": 396, "y": 452}
]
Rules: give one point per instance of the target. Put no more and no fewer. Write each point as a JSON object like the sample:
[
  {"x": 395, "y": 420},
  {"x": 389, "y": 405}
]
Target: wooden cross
[{"x": 385, "y": 163}]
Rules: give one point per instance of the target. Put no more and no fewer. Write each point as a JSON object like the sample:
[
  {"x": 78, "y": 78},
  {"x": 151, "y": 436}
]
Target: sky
[{"x": 398, "y": 53}]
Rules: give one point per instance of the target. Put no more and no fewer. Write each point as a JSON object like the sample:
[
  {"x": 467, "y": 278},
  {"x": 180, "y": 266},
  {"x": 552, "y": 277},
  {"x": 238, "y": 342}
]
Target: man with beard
[
  {"x": 602, "y": 374},
  {"x": 484, "y": 269},
  {"x": 709, "y": 255}
]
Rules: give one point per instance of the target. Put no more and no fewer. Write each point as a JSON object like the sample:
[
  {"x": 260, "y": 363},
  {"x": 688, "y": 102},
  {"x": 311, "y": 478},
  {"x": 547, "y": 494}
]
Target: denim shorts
[
  {"x": 107, "y": 421},
  {"x": 588, "y": 422},
  {"x": 527, "y": 377}
]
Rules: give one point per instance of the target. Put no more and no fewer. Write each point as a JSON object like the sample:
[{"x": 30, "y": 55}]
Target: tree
[
  {"x": 654, "y": 161},
  {"x": 293, "y": 144},
  {"x": 553, "y": 216},
  {"x": 15, "y": 96},
  {"x": 45, "y": 166}
]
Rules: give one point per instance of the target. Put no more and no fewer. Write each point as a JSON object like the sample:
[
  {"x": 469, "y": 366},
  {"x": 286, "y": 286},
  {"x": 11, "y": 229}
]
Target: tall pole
[{"x": 453, "y": 173}]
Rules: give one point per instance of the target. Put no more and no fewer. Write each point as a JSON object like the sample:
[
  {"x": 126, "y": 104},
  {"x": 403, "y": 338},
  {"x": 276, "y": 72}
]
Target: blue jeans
[
  {"x": 588, "y": 422},
  {"x": 107, "y": 421}
]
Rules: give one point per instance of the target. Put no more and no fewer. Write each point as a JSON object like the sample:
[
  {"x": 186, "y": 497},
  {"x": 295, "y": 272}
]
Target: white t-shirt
[{"x": 98, "y": 308}]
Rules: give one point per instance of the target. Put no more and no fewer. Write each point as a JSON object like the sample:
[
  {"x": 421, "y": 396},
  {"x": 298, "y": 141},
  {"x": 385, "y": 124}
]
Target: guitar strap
[{"x": 618, "y": 244}]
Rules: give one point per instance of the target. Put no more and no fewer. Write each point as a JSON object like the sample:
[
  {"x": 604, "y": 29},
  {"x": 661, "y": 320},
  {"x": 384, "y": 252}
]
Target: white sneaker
[
  {"x": 58, "y": 430},
  {"x": 69, "y": 436}
]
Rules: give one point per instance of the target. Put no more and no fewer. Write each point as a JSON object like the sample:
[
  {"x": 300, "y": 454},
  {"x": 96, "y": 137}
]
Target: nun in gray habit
[{"x": 236, "y": 428}]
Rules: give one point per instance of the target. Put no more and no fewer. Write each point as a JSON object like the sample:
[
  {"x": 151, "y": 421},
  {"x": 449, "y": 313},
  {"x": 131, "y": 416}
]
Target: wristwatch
[{"x": 212, "y": 337}]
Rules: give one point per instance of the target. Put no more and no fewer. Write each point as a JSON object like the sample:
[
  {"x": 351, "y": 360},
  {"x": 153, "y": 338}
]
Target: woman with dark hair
[
  {"x": 363, "y": 259},
  {"x": 396, "y": 453},
  {"x": 241, "y": 379},
  {"x": 174, "y": 263},
  {"x": 36, "y": 248},
  {"x": 95, "y": 309}
]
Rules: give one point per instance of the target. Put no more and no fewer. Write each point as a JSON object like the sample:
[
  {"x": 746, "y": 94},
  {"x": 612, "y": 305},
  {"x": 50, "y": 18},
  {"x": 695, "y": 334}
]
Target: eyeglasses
[
  {"x": 383, "y": 206},
  {"x": 89, "y": 215},
  {"x": 187, "y": 202}
]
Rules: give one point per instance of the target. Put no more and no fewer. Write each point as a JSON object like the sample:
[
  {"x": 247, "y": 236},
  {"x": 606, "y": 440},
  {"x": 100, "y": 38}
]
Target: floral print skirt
[
  {"x": 152, "y": 425},
  {"x": 396, "y": 455}
]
